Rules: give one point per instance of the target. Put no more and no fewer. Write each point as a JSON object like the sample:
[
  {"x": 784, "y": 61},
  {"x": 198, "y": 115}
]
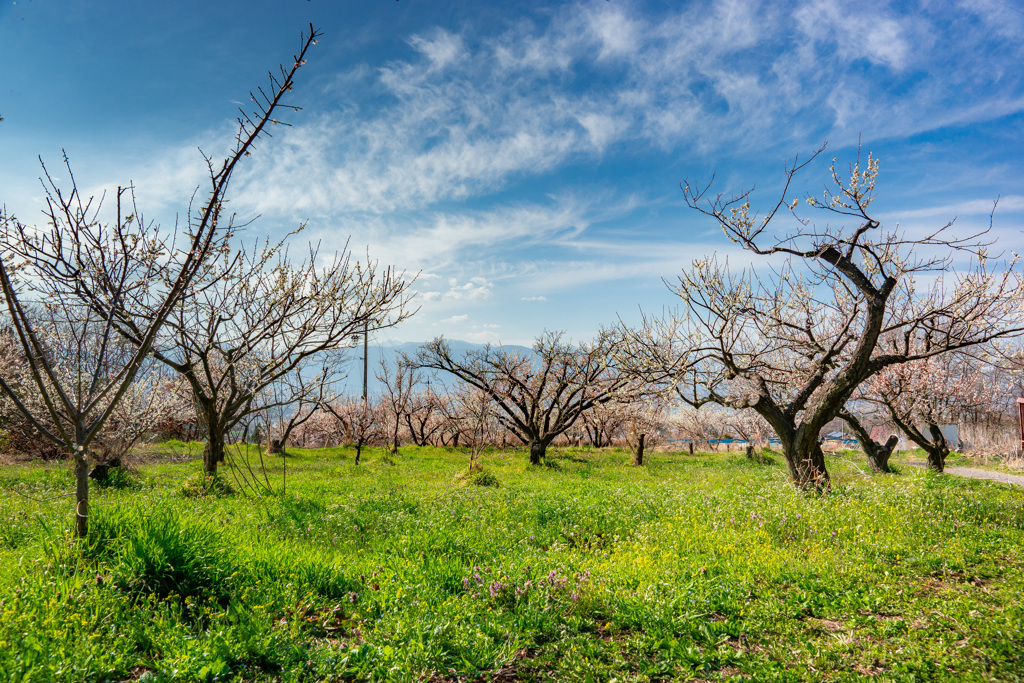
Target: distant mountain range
[{"x": 352, "y": 385}]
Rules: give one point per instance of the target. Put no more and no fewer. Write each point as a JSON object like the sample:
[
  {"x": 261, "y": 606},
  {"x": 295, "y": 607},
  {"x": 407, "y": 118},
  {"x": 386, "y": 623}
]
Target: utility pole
[{"x": 366, "y": 337}]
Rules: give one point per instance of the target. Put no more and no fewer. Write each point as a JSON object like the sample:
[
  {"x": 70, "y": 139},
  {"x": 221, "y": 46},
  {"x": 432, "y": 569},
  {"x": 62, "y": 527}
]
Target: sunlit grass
[{"x": 691, "y": 567}]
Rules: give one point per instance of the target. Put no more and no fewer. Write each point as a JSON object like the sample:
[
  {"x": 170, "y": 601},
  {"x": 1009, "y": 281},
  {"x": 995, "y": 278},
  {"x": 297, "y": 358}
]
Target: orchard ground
[{"x": 701, "y": 568}]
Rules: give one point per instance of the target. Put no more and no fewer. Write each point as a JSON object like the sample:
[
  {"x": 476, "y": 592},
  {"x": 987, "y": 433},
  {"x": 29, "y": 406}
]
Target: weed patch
[{"x": 200, "y": 485}]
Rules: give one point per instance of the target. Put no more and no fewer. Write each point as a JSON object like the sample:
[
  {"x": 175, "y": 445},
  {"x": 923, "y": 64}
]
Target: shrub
[
  {"x": 477, "y": 476},
  {"x": 120, "y": 478},
  {"x": 199, "y": 485}
]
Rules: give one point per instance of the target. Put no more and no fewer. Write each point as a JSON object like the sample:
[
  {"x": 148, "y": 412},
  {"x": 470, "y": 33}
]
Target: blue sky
[{"x": 524, "y": 158}]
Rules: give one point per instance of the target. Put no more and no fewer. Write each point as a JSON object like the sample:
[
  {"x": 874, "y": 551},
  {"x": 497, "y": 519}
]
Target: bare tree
[
  {"x": 288, "y": 403},
  {"x": 90, "y": 277},
  {"x": 478, "y": 421},
  {"x": 426, "y": 416},
  {"x": 399, "y": 386},
  {"x": 753, "y": 429},
  {"x": 362, "y": 419},
  {"x": 919, "y": 397},
  {"x": 795, "y": 341},
  {"x": 538, "y": 395},
  {"x": 704, "y": 426},
  {"x": 603, "y": 423},
  {"x": 643, "y": 418},
  {"x": 81, "y": 376},
  {"x": 262, "y": 320},
  {"x": 322, "y": 430}
]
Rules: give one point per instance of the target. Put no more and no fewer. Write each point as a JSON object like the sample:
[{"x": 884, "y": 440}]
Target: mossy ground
[{"x": 707, "y": 567}]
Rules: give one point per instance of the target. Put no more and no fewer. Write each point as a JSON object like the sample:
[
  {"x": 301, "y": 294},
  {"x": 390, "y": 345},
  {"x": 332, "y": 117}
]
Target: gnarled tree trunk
[
  {"x": 877, "y": 454},
  {"x": 807, "y": 467},
  {"x": 805, "y": 459},
  {"x": 936, "y": 447},
  {"x": 878, "y": 457}
]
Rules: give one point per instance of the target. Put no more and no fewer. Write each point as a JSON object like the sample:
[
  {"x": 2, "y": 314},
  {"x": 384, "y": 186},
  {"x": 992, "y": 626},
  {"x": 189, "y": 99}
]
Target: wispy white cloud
[
  {"x": 470, "y": 112},
  {"x": 856, "y": 32},
  {"x": 972, "y": 207},
  {"x": 477, "y": 288}
]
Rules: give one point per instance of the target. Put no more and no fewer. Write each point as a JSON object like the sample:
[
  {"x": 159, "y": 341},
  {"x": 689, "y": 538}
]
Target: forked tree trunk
[
  {"x": 638, "y": 454},
  {"x": 877, "y": 454},
  {"x": 935, "y": 447},
  {"x": 276, "y": 447}
]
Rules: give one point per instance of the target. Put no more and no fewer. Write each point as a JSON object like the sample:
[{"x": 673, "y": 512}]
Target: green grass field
[{"x": 706, "y": 567}]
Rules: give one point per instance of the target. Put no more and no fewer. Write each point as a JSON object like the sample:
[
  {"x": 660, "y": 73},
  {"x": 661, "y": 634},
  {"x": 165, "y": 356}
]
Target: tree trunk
[
  {"x": 359, "y": 450},
  {"x": 806, "y": 463},
  {"x": 276, "y": 447},
  {"x": 213, "y": 453},
  {"x": 691, "y": 447},
  {"x": 81, "y": 494},
  {"x": 878, "y": 455},
  {"x": 638, "y": 454},
  {"x": 537, "y": 451},
  {"x": 213, "y": 428},
  {"x": 937, "y": 449},
  {"x": 878, "y": 458}
]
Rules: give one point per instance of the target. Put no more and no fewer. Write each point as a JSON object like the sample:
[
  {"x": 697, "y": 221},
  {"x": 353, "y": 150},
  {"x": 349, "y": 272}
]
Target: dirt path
[{"x": 972, "y": 473}]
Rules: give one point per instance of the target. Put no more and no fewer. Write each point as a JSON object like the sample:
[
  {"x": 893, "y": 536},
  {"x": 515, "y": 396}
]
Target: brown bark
[
  {"x": 935, "y": 447},
  {"x": 213, "y": 454},
  {"x": 878, "y": 458},
  {"x": 638, "y": 454},
  {"x": 81, "y": 495},
  {"x": 538, "y": 448},
  {"x": 877, "y": 454},
  {"x": 806, "y": 462}
]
